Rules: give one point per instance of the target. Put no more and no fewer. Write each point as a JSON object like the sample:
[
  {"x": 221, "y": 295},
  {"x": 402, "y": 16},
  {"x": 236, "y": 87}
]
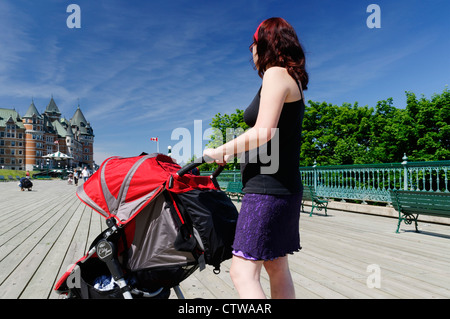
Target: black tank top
[{"x": 273, "y": 168}]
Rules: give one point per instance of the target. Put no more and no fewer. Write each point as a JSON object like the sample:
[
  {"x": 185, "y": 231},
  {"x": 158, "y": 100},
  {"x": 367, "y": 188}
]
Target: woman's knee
[
  {"x": 244, "y": 270},
  {"x": 277, "y": 266}
]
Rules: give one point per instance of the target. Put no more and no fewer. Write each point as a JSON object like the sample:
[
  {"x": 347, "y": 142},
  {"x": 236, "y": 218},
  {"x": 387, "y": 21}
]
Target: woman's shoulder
[
  {"x": 280, "y": 78},
  {"x": 276, "y": 71},
  {"x": 278, "y": 74}
]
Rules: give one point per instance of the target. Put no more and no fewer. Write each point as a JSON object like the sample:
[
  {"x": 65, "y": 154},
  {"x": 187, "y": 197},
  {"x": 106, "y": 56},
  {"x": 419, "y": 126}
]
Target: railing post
[
  {"x": 405, "y": 170},
  {"x": 315, "y": 175}
]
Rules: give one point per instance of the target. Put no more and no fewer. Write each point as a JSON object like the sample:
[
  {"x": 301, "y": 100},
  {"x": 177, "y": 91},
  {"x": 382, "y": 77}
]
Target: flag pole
[{"x": 156, "y": 139}]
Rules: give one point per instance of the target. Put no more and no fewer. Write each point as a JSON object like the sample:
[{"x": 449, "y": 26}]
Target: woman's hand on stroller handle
[
  {"x": 198, "y": 162},
  {"x": 216, "y": 156}
]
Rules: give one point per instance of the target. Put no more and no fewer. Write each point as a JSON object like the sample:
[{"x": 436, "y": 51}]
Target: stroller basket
[{"x": 163, "y": 224}]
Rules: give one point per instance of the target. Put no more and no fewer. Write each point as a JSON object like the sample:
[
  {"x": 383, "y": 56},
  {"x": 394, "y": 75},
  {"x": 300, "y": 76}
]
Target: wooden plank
[
  {"x": 40, "y": 239},
  {"x": 22, "y": 267},
  {"x": 76, "y": 247},
  {"x": 40, "y": 285}
]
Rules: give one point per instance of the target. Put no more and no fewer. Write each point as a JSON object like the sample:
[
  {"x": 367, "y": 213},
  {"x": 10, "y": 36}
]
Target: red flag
[
  {"x": 56, "y": 142},
  {"x": 154, "y": 139}
]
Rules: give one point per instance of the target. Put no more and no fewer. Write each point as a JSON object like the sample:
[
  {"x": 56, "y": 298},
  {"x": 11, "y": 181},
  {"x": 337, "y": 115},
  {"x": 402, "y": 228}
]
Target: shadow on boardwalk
[{"x": 45, "y": 231}]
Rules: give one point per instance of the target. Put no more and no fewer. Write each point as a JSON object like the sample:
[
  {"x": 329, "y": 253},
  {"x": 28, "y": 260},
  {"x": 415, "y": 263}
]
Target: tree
[
  {"x": 429, "y": 127},
  {"x": 229, "y": 126},
  {"x": 353, "y": 134}
]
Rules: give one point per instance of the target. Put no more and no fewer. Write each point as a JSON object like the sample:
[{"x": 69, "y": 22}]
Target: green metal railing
[
  {"x": 372, "y": 182},
  {"x": 375, "y": 181}
]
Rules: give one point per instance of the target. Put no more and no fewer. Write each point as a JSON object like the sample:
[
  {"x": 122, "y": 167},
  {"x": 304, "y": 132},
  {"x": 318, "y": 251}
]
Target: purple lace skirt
[{"x": 268, "y": 226}]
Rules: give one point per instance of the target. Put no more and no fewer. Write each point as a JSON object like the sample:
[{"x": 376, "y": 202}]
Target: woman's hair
[{"x": 277, "y": 44}]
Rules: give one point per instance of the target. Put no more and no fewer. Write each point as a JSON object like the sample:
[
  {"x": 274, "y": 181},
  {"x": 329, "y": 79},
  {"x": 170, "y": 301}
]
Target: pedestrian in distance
[{"x": 85, "y": 174}]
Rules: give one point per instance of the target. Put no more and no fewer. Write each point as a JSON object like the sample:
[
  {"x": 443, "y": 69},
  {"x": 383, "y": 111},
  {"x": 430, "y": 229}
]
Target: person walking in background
[
  {"x": 76, "y": 176},
  {"x": 268, "y": 224},
  {"x": 85, "y": 174}
]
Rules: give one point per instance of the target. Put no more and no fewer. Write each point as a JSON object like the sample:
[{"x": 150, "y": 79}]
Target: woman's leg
[
  {"x": 246, "y": 278},
  {"x": 281, "y": 284}
]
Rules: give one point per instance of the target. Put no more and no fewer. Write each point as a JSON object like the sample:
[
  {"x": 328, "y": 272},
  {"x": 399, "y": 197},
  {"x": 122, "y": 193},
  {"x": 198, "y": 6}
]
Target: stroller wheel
[{"x": 162, "y": 293}]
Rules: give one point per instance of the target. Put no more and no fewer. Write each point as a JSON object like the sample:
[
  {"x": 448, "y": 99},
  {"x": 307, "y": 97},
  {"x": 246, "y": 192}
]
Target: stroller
[
  {"x": 70, "y": 179},
  {"x": 163, "y": 224}
]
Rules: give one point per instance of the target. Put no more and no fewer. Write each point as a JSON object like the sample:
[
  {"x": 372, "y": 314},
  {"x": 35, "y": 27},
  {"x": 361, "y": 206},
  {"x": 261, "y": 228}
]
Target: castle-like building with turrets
[{"x": 24, "y": 140}]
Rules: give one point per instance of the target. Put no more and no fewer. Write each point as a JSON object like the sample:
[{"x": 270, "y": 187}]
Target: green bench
[
  {"x": 317, "y": 202},
  {"x": 223, "y": 185},
  {"x": 235, "y": 189},
  {"x": 411, "y": 204}
]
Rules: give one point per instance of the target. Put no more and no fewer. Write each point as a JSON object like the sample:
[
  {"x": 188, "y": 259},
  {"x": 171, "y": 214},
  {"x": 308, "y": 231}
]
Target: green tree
[
  {"x": 429, "y": 127},
  {"x": 353, "y": 134},
  {"x": 227, "y": 127},
  {"x": 388, "y": 134},
  {"x": 335, "y": 135}
]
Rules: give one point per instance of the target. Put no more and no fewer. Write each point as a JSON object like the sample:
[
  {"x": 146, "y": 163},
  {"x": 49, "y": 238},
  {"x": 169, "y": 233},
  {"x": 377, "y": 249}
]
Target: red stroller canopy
[{"x": 123, "y": 186}]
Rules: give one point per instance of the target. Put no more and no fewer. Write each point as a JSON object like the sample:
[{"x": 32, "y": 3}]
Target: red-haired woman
[{"x": 268, "y": 225}]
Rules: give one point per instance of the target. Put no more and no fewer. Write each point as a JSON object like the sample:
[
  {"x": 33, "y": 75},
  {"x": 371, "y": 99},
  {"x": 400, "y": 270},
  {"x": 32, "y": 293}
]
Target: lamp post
[
  {"x": 48, "y": 167},
  {"x": 315, "y": 175},
  {"x": 405, "y": 170}
]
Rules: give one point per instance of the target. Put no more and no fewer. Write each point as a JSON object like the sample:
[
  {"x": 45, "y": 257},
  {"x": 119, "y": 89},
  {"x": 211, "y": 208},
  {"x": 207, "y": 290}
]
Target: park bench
[
  {"x": 309, "y": 194},
  {"x": 11, "y": 178},
  {"x": 223, "y": 185},
  {"x": 235, "y": 189},
  {"x": 2, "y": 178},
  {"x": 411, "y": 204}
]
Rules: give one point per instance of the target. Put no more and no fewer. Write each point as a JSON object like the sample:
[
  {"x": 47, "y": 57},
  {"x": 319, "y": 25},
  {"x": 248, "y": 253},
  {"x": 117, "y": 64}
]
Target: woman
[{"x": 268, "y": 224}]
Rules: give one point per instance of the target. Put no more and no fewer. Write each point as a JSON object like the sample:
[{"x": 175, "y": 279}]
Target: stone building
[{"x": 24, "y": 140}]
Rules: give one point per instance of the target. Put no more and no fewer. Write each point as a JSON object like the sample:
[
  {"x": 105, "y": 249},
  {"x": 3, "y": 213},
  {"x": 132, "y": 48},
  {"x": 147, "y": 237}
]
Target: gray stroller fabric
[{"x": 155, "y": 234}]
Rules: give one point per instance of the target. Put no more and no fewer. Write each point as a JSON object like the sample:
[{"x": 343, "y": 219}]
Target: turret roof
[
  {"x": 32, "y": 110},
  {"x": 7, "y": 114},
  {"x": 52, "y": 107},
  {"x": 79, "y": 120}
]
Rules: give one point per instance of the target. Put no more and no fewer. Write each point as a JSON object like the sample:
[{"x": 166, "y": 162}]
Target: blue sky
[{"x": 142, "y": 69}]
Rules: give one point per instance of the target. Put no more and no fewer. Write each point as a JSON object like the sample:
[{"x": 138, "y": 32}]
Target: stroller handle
[{"x": 195, "y": 164}]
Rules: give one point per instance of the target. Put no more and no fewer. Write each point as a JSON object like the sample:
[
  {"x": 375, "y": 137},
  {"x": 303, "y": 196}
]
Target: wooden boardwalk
[{"x": 45, "y": 231}]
